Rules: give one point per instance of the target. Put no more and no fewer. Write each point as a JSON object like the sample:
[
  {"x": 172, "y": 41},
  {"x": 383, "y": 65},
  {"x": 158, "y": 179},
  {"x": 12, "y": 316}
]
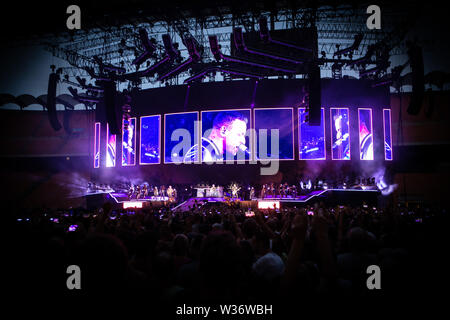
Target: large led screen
[
  {"x": 129, "y": 142},
  {"x": 150, "y": 140},
  {"x": 97, "y": 145},
  {"x": 388, "y": 155},
  {"x": 274, "y": 133},
  {"x": 181, "y": 137},
  {"x": 340, "y": 134},
  {"x": 225, "y": 135},
  {"x": 365, "y": 134},
  {"x": 312, "y": 144},
  {"x": 110, "y": 148}
]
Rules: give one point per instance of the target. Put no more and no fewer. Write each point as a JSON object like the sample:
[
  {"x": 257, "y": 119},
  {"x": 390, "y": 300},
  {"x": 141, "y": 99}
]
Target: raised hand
[{"x": 299, "y": 226}]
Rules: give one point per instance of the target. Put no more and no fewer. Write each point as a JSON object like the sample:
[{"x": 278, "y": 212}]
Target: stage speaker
[
  {"x": 51, "y": 101},
  {"x": 418, "y": 81},
  {"x": 109, "y": 99},
  {"x": 314, "y": 95}
]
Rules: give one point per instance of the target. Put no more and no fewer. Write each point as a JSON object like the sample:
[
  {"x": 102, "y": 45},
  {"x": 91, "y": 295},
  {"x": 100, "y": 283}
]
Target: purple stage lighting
[
  {"x": 268, "y": 120},
  {"x": 365, "y": 134},
  {"x": 387, "y": 127},
  {"x": 340, "y": 134},
  {"x": 97, "y": 145},
  {"x": 150, "y": 137},
  {"x": 110, "y": 148},
  {"x": 129, "y": 142},
  {"x": 312, "y": 144}
]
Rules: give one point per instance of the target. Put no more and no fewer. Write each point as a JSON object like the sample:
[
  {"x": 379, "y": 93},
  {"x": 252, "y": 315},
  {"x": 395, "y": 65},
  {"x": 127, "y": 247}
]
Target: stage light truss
[{"x": 121, "y": 45}]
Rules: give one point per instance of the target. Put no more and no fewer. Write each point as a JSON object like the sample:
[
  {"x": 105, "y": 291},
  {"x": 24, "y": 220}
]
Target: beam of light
[
  {"x": 132, "y": 204},
  {"x": 268, "y": 204}
]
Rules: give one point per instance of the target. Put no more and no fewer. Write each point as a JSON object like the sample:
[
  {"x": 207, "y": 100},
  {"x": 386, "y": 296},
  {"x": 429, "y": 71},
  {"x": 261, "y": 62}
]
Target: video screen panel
[
  {"x": 150, "y": 132},
  {"x": 181, "y": 131},
  {"x": 225, "y": 135},
  {"x": 129, "y": 142},
  {"x": 274, "y": 133},
  {"x": 365, "y": 134},
  {"x": 110, "y": 148},
  {"x": 312, "y": 144},
  {"x": 387, "y": 125},
  {"x": 97, "y": 145},
  {"x": 340, "y": 134}
]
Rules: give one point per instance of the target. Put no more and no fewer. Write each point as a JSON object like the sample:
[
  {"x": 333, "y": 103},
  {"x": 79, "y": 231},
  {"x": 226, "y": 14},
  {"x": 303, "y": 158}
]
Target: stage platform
[
  {"x": 96, "y": 199},
  {"x": 329, "y": 196}
]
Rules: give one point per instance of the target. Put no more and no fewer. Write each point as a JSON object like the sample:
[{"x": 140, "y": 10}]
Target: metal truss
[{"x": 119, "y": 45}]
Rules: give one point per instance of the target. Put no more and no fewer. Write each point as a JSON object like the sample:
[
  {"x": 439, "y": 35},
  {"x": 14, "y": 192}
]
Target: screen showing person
[
  {"x": 274, "y": 133},
  {"x": 387, "y": 134},
  {"x": 150, "y": 140},
  {"x": 340, "y": 134},
  {"x": 110, "y": 148},
  {"x": 180, "y": 135},
  {"x": 312, "y": 138},
  {"x": 225, "y": 135},
  {"x": 97, "y": 145},
  {"x": 365, "y": 134},
  {"x": 129, "y": 142}
]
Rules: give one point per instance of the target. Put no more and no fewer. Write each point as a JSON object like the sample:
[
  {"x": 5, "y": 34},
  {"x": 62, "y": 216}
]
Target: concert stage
[
  {"x": 329, "y": 196},
  {"x": 121, "y": 200}
]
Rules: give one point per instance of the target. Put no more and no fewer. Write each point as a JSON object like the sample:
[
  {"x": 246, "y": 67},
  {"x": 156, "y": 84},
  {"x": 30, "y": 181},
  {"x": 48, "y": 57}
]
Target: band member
[
  {"x": 155, "y": 191},
  {"x": 138, "y": 192},
  {"x": 174, "y": 194},
  {"x": 162, "y": 191},
  {"x": 252, "y": 193},
  {"x": 234, "y": 190},
  {"x": 145, "y": 191},
  {"x": 170, "y": 193},
  {"x": 131, "y": 191},
  {"x": 279, "y": 187},
  {"x": 225, "y": 139},
  {"x": 294, "y": 191},
  {"x": 213, "y": 191}
]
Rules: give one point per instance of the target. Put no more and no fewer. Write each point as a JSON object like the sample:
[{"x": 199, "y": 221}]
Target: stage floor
[
  {"x": 312, "y": 196},
  {"x": 316, "y": 195}
]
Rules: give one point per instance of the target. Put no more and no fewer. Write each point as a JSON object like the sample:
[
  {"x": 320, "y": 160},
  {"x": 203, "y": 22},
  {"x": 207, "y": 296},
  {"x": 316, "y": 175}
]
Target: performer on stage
[
  {"x": 131, "y": 191},
  {"x": 170, "y": 193},
  {"x": 234, "y": 190},
  {"x": 252, "y": 193},
  {"x": 263, "y": 191},
  {"x": 174, "y": 194},
  {"x": 213, "y": 191},
  {"x": 226, "y": 138},
  {"x": 145, "y": 191},
  {"x": 138, "y": 192}
]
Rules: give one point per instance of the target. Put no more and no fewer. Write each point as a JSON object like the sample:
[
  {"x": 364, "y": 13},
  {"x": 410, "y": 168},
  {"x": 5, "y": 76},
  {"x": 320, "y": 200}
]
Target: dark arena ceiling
[
  {"x": 44, "y": 18},
  {"x": 110, "y": 33}
]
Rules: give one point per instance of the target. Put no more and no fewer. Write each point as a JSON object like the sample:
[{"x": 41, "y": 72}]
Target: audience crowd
[{"x": 223, "y": 253}]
